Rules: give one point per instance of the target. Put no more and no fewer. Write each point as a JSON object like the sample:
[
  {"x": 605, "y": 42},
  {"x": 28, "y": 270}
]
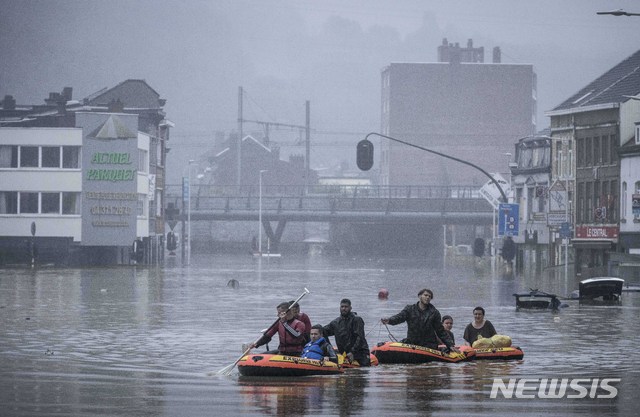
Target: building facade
[
  {"x": 456, "y": 108},
  {"x": 593, "y": 124},
  {"x": 82, "y": 183},
  {"x": 530, "y": 184}
]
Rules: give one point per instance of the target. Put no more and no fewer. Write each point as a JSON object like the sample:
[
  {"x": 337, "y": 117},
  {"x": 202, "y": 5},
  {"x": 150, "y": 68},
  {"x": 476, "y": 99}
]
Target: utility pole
[
  {"x": 239, "y": 143},
  {"x": 307, "y": 158}
]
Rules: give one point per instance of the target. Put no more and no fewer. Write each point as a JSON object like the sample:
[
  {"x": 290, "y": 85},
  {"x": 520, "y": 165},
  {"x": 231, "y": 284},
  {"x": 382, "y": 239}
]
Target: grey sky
[{"x": 283, "y": 52}]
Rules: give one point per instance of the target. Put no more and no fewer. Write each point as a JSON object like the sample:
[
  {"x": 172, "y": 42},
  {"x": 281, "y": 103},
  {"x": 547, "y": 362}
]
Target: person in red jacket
[
  {"x": 291, "y": 332},
  {"x": 303, "y": 317}
]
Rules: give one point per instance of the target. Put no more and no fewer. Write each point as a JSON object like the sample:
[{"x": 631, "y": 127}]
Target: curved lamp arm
[{"x": 504, "y": 196}]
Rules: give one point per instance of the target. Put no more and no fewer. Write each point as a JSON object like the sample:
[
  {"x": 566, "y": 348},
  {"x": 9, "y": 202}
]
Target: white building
[{"x": 85, "y": 188}]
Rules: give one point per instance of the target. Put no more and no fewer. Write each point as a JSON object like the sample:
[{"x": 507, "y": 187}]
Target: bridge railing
[
  {"x": 358, "y": 191},
  {"x": 335, "y": 204}
]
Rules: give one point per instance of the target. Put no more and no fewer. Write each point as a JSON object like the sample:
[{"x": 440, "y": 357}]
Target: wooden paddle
[{"x": 229, "y": 368}]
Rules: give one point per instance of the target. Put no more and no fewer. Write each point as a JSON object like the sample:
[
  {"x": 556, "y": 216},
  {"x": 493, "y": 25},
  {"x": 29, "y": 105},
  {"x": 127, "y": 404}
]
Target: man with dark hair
[
  {"x": 319, "y": 348},
  {"x": 303, "y": 317},
  {"x": 348, "y": 330},
  {"x": 424, "y": 323},
  {"x": 290, "y": 331}
]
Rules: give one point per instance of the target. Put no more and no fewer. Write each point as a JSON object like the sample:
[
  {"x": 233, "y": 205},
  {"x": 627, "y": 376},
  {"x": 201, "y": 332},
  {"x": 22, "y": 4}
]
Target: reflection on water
[
  {"x": 127, "y": 341},
  {"x": 340, "y": 395}
]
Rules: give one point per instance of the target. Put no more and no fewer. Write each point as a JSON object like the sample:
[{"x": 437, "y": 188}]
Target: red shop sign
[{"x": 597, "y": 232}]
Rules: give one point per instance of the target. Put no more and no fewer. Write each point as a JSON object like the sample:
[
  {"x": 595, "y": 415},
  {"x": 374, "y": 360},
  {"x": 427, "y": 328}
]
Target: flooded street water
[{"x": 147, "y": 342}]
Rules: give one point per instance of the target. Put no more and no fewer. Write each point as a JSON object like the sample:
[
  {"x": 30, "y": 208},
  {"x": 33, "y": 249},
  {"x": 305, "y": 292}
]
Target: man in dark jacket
[
  {"x": 423, "y": 323},
  {"x": 348, "y": 330}
]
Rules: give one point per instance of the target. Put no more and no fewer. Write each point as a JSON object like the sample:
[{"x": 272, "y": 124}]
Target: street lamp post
[
  {"x": 191, "y": 161},
  {"x": 260, "y": 212}
]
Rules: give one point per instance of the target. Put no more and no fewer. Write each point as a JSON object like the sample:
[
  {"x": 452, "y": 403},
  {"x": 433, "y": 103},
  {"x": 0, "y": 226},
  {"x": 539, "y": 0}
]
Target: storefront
[{"x": 593, "y": 246}]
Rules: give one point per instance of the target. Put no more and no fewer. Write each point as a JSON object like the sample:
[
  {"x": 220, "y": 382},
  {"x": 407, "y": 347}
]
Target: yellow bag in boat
[
  {"x": 482, "y": 343},
  {"x": 501, "y": 340}
]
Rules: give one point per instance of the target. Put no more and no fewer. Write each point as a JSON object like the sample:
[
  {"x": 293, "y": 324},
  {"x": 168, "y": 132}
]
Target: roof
[
  {"x": 610, "y": 88},
  {"x": 132, "y": 94},
  {"x": 113, "y": 128}
]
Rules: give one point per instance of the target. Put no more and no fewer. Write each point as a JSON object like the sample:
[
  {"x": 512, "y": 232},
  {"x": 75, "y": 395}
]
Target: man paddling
[
  {"x": 424, "y": 323},
  {"x": 291, "y": 332}
]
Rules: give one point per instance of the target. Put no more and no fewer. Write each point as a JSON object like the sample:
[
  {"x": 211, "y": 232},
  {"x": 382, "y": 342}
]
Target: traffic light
[
  {"x": 478, "y": 247},
  {"x": 364, "y": 155}
]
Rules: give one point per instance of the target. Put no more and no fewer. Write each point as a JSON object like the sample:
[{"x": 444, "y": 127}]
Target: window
[
  {"x": 541, "y": 191},
  {"x": 597, "y": 157},
  {"x": 142, "y": 161},
  {"x": 70, "y": 157},
  {"x": 588, "y": 215},
  {"x": 159, "y": 156},
  {"x": 580, "y": 210},
  {"x": 613, "y": 202},
  {"x": 8, "y": 202},
  {"x": 526, "y": 156},
  {"x": 530, "y": 197},
  {"x": 158, "y": 203},
  {"x": 559, "y": 159},
  {"x": 141, "y": 205},
  {"x": 50, "y": 157},
  {"x": 580, "y": 149},
  {"x": 623, "y": 208},
  {"x": 614, "y": 149},
  {"x": 606, "y": 150},
  {"x": 28, "y": 202},
  {"x": 28, "y": 156},
  {"x": 70, "y": 203},
  {"x": 50, "y": 203},
  {"x": 637, "y": 191},
  {"x": 8, "y": 156},
  {"x": 588, "y": 152}
]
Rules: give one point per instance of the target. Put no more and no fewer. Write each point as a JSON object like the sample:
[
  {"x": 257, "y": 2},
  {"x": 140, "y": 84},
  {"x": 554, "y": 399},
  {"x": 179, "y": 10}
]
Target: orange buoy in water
[{"x": 383, "y": 294}]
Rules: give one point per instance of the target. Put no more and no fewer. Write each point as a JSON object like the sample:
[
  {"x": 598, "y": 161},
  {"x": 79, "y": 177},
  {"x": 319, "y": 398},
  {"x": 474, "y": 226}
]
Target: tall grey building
[{"x": 474, "y": 111}]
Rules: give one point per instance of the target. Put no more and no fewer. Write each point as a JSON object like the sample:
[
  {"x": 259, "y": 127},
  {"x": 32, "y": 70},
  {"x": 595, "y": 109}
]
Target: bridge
[{"x": 419, "y": 205}]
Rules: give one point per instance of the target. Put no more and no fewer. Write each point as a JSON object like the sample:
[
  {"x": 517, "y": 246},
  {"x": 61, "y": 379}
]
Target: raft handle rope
[
  {"x": 393, "y": 338},
  {"x": 378, "y": 327}
]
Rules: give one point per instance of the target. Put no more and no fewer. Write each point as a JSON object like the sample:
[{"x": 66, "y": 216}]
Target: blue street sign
[
  {"x": 565, "y": 230},
  {"x": 508, "y": 219}
]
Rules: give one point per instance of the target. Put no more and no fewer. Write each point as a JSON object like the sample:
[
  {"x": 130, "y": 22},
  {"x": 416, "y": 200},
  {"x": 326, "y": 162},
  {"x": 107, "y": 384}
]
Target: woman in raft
[{"x": 478, "y": 328}]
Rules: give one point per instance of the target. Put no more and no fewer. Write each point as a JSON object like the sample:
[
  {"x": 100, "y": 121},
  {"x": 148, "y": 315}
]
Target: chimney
[
  {"x": 9, "y": 103},
  {"x": 67, "y": 93}
]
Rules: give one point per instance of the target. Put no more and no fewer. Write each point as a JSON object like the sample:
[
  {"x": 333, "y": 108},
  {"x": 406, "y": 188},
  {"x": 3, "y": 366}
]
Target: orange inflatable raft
[
  {"x": 495, "y": 353},
  {"x": 265, "y": 364},
  {"x": 342, "y": 360},
  {"x": 396, "y": 352}
]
